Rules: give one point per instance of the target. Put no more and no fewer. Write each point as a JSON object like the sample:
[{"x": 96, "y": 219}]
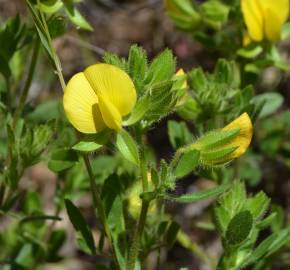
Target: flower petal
[
  {"x": 279, "y": 7},
  {"x": 111, "y": 115},
  {"x": 253, "y": 18},
  {"x": 273, "y": 25},
  {"x": 114, "y": 85},
  {"x": 80, "y": 104},
  {"x": 243, "y": 139}
]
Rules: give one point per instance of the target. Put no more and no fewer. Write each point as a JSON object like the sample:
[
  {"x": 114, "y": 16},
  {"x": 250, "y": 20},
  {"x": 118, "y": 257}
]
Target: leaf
[
  {"x": 56, "y": 26},
  {"x": 186, "y": 164},
  {"x": 161, "y": 69},
  {"x": 239, "y": 227},
  {"x": 229, "y": 204},
  {"x": 258, "y": 205},
  {"x": 75, "y": 16},
  {"x": 137, "y": 66},
  {"x": 62, "y": 159},
  {"x": 202, "y": 195},
  {"x": 172, "y": 232},
  {"x": 179, "y": 135},
  {"x": 50, "y": 6},
  {"x": 84, "y": 146},
  {"x": 273, "y": 101},
  {"x": 45, "y": 111},
  {"x": 138, "y": 112},
  {"x": 269, "y": 246},
  {"x": 251, "y": 51},
  {"x": 80, "y": 225},
  {"x": 127, "y": 146},
  {"x": 40, "y": 30}
]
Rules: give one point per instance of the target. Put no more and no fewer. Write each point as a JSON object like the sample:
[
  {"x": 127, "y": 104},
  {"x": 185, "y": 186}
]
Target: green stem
[
  {"x": 137, "y": 236},
  {"x": 98, "y": 205},
  {"x": 134, "y": 249},
  {"x": 27, "y": 85},
  {"x": 97, "y": 202}
]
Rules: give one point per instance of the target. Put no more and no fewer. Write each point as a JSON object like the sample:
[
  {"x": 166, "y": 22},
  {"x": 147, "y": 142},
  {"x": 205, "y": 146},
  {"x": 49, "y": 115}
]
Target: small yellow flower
[
  {"x": 181, "y": 73},
  {"x": 244, "y": 137},
  {"x": 264, "y": 18},
  {"x": 218, "y": 147},
  {"x": 98, "y": 98}
]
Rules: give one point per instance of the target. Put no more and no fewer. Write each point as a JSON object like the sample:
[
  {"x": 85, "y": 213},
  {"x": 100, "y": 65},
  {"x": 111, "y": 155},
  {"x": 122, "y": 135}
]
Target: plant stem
[
  {"x": 97, "y": 202},
  {"x": 134, "y": 249},
  {"x": 137, "y": 236},
  {"x": 98, "y": 205},
  {"x": 27, "y": 85}
]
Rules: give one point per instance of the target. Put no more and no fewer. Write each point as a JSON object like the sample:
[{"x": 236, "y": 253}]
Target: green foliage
[
  {"x": 186, "y": 164},
  {"x": 80, "y": 225},
  {"x": 178, "y": 133},
  {"x": 127, "y": 146},
  {"x": 128, "y": 178}
]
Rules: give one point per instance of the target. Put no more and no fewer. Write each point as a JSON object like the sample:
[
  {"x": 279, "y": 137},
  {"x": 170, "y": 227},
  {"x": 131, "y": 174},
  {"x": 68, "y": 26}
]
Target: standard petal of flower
[
  {"x": 243, "y": 139},
  {"x": 273, "y": 25},
  {"x": 114, "y": 84},
  {"x": 253, "y": 18},
  {"x": 81, "y": 105},
  {"x": 110, "y": 114},
  {"x": 279, "y": 7}
]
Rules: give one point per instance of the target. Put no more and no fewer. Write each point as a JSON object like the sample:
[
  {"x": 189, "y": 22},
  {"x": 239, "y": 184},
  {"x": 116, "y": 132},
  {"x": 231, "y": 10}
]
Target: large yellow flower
[
  {"x": 98, "y": 98},
  {"x": 265, "y": 18}
]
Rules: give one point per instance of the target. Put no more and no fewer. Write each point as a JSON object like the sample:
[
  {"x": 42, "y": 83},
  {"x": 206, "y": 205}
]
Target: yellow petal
[
  {"x": 181, "y": 73},
  {"x": 273, "y": 25},
  {"x": 246, "y": 39},
  {"x": 114, "y": 85},
  {"x": 111, "y": 115},
  {"x": 81, "y": 105},
  {"x": 253, "y": 18},
  {"x": 279, "y": 7},
  {"x": 243, "y": 139}
]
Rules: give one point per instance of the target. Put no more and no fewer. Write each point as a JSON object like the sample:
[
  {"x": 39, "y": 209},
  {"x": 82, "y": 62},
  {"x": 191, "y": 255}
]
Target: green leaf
[
  {"x": 229, "y": 204},
  {"x": 62, "y": 159},
  {"x": 161, "y": 69},
  {"x": 197, "y": 80},
  {"x": 214, "y": 13},
  {"x": 75, "y": 16},
  {"x": 239, "y": 228},
  {"x": 80, "y": 225},
  {"x": 172, "y": 232},
  {"x": 251, "y": 51},
  {"x": 50, "y": 6},
  {"x": 179, "y": 134},
  {"x": 186, "y": 164},
  {"x": 273, "y": 101},
  {"x": 137, "y": 66},
  {"x": 258, "y": 205},
  {"x": 269, "y": 246},
  {"x": 84, "y": 146},
  {"x": 138, "y": 112},
  {"x": 56, "y": 26},
  {"x": 127, "y": 146},
  {"x": 46, "y": 111},
  {"x": 202, "y": 195}
]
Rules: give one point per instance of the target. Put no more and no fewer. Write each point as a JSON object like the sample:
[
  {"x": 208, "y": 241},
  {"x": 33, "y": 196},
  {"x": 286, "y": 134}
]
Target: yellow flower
[
  {"x": 219, "y": 147},
  {"x": 98, "y": 98},
  {"x": 244, "y": 137},
  {"x": 265, "y": 18},
  {"x": 181, "y": 73}
]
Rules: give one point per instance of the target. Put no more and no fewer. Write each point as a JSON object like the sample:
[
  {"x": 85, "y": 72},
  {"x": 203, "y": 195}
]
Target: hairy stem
[{"x": 137, "y": 236}]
